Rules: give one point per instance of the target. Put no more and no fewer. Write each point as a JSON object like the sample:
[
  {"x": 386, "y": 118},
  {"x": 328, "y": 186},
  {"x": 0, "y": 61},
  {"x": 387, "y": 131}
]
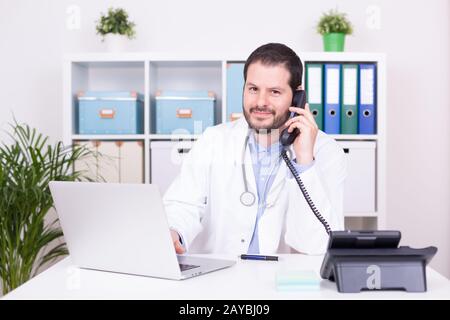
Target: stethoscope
[{"x": 247, "y": 197}]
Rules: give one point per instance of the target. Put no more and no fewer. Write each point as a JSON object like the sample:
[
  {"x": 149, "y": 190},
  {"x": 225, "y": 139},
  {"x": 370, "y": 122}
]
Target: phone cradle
[{"x": 357, "y": 269}]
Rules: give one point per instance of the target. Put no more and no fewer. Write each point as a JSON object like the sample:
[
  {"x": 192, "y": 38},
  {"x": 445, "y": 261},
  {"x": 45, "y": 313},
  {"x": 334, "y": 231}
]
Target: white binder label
[
  {"x": 332, "y": 86},
  {"x": 349, "y": 84},
  {"x": 314, "y": 85},
  {"x": 367, "y": 80}
]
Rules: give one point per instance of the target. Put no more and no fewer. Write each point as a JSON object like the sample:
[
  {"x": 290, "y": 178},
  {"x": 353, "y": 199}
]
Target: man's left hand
[{"x": 304, "y": 143}]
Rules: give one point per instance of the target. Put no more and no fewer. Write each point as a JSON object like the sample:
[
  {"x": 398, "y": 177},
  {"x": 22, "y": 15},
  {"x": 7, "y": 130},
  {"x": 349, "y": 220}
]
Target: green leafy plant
[
  {"x": 334, "y": 22},
  {"x": 27, "y": 166},
  {"x": 116, "y": 22}
]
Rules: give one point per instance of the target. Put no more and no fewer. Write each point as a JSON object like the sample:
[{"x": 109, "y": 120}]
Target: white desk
[{"x": 245, "y": 280}]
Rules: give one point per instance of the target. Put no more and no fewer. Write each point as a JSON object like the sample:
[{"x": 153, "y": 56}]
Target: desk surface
[{"x": 245, "y": 280}]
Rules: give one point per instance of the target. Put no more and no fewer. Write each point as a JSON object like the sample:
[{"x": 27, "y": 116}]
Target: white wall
[{"x": 413, "y": 34}]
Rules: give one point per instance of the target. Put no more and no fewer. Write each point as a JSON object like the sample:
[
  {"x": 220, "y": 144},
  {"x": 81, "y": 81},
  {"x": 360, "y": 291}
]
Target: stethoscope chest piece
[{"x": 247, "y": 198}]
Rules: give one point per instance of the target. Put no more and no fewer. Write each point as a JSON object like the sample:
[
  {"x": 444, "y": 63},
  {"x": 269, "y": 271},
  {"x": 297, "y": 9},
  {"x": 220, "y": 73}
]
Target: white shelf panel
[
  {"x": 173, "y": 136},
  {"x": 232, "y": 56},
  {"x": 108, "y": 137},
  {"x": 355, "y": 137},
  {"x": 106, "y": 56},
  {"x": 342, "y": 56},
  {"x": 361, "y": 214},
  {"x": 110, "y": 64},
  {"x": 352, "y": 137}
]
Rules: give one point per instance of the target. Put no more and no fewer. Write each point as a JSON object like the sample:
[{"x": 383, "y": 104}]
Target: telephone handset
[
  {"x": 286, "y": 139},
  {"x": 299, "y": 100}
]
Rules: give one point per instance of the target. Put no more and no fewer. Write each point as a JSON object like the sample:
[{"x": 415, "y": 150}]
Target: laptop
[{"x": 123, "y": 228}]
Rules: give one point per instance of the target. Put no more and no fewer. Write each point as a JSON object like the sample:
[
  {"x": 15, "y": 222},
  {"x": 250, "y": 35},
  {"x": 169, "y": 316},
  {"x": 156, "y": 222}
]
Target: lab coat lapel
[
  {"x": 278, "y": 183},
  {"x": 240, "y": 137},
  {"x": 279, "y": 180},
  {"x": 250, "y": 174}
]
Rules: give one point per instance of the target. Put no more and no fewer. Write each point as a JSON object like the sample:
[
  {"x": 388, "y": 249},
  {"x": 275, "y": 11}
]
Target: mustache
[{"x": 261, "y": 109}]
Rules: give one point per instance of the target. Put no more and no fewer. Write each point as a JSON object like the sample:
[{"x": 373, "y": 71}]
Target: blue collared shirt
[{"x": 266, "y": 162}]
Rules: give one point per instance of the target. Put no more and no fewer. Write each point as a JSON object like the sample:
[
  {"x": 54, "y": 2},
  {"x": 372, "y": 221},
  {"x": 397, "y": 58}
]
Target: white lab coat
[{"x": 203, "y": 203}]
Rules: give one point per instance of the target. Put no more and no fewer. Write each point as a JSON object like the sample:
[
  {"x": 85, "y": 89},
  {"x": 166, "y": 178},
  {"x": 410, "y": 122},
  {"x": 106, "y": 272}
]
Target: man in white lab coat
[{"x": 235, "y": 194}]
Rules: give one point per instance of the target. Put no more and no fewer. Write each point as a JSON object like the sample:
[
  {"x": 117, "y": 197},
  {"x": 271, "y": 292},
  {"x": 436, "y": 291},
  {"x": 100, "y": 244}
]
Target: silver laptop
[{"x": 123, "y": 228}]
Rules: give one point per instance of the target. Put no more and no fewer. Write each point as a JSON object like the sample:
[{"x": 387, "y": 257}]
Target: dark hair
[{"x": 272, "y": 54}]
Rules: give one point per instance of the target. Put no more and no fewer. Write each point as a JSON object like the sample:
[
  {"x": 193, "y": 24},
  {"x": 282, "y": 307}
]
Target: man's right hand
[{"x": 176, "y": 242}]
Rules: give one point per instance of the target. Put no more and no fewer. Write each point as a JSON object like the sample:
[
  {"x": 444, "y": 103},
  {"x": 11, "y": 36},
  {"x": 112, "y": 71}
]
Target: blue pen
[{"x": 258, "y": 257}]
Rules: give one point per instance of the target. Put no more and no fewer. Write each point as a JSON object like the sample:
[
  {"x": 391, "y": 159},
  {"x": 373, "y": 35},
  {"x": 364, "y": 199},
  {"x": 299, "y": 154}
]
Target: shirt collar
[{"x": 274, "y": 148}]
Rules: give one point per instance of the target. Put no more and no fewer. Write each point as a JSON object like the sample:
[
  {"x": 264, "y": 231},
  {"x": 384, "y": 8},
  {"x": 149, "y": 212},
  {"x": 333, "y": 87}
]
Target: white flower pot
[{"x": 115, "y": 42}]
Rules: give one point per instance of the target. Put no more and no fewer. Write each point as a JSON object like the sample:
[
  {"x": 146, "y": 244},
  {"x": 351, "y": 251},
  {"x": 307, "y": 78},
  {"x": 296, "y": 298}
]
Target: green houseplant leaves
[
  {"x": 334, "y": 22},
  {"x": 116, "y": 22},
  {"x": 27, "y": 167},
  {"x": 334, "y": 26}
]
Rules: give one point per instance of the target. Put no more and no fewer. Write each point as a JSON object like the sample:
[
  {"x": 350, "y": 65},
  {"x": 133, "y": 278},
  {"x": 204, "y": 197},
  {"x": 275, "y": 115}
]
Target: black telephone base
[{"x": 360, "y": 267}]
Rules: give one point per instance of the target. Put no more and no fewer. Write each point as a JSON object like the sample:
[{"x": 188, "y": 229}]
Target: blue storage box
[
  {"x": 110, "y": 112},
  {"x": 181, "y": 112},
  {"x": 235, "y": 85}
]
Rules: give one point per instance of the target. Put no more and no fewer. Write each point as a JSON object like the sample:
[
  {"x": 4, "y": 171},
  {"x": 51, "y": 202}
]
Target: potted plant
[
  {"x": 27, "y": 242},
  {"x": 334, "y": 26},
  {"x": 115, "y": 29}
]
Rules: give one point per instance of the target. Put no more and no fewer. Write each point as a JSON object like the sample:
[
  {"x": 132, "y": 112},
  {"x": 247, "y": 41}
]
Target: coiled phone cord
[{"x": 305, "y": 193}]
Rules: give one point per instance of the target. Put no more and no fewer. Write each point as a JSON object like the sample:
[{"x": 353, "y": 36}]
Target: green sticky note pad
[{"x": 297, "y": 280}]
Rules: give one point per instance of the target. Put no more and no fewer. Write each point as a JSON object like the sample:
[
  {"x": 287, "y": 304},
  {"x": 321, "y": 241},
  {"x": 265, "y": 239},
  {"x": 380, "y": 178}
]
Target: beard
[{"x": 276, "y": 123}]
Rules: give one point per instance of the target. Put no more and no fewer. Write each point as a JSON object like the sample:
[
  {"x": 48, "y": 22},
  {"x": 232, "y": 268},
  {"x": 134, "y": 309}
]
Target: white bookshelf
[{"x": 147, "y": 72}]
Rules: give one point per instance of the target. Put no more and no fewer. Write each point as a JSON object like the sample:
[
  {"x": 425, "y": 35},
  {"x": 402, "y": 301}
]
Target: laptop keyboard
[{"x": 184, "y": 267}]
